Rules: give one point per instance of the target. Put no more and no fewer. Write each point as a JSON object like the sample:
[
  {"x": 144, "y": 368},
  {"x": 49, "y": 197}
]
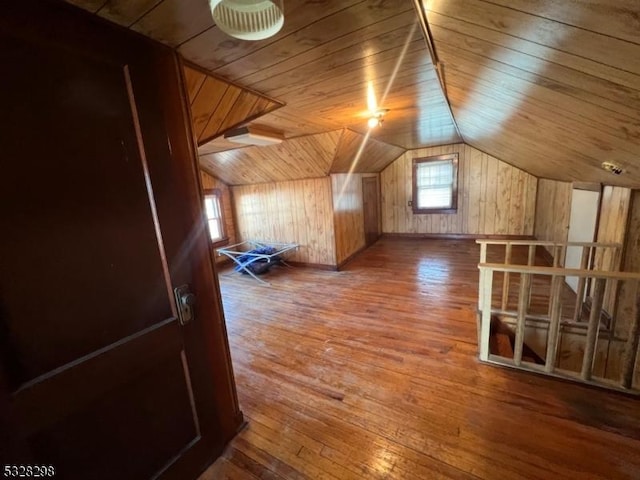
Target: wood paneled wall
[
  {"x": 296, "y": 211},
  {"x": 348, "y": 214},
  {"x": 494, "y": 198},
  {"x": 553, "y": 209},
  {"x": 612, "y": 228},
  {"x": 208, "y": 182}
]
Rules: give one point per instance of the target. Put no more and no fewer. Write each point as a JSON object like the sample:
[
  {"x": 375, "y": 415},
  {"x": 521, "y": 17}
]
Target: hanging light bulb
[
  {"x": 374, "y": 122},
  {"x": 248, "y": 19}
]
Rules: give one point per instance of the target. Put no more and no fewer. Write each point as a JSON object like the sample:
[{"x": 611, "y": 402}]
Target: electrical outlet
[{"x": 410, "y": 203}]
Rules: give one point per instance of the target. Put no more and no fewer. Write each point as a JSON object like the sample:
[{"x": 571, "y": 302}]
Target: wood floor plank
[{"x": 372, "y": 372}]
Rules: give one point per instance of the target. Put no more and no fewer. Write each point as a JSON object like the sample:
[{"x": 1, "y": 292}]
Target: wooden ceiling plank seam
[
  {"x": 216, "y": 42},
  {"x": 564, "y": 13},
  {"x": 540, "y": 51},
  {"x": 319, "y": 31},
  {"x": 530, "y": 66},
  {"x": 258, "y": 114},
  {"x": 112, "y": 11},
  {"x": 337, "y": 150},
  {"x": 220, "y": 113},
  {"x": 323, "y": 52},
  {"x": 591, "y": 91},
  {"x": 319, "y": 72},
  {"x": 101, "y": 7},
  {"x": 345, "y": 70},
  {"x": 239, "y": 111},
  {"x": 204, "y": 105},
  {"x": 542, "y": 153},
  {"x": 555, "y": 112},
  {"x": 88, "y": 5},
  {"x": 585, "y": 43},
  {"x": 563, "y": 140},
  {"x": 206, "y": 29},
  {"x": 294, "y": 32},
  {"x": 194, "y": 81},
  {"x": 545, "y": 90},
  {"x": 171, "y": 21},
  {"x": 357, "y": 86},
  {"x": 196, "y": 67}
]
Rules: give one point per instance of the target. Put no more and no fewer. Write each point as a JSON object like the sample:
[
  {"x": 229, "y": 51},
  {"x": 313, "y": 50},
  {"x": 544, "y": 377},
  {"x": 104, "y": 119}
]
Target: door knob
[{"x": 185, "y": 303}]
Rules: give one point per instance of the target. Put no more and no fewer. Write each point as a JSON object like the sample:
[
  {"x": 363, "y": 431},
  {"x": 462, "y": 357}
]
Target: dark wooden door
[
  {"x": 370, "y": 202},
  {"x": 101, "y": 220}
]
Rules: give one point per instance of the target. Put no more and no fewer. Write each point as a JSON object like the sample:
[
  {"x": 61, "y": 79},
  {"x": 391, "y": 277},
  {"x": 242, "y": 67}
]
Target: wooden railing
[{"x": 550, "y": 298}]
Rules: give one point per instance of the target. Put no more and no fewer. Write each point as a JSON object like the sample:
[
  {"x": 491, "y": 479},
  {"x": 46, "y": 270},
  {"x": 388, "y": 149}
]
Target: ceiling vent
[
  {"x": 612, "y": 167},
  {"x": 251, "y": 135}
]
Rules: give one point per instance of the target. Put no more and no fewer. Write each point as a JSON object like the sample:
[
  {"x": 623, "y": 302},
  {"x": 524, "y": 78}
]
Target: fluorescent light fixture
[{"x": 250, "y": 135}]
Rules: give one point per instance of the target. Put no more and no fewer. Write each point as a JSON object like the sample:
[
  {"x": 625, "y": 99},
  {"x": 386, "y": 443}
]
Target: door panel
[
  {"x": 370, "y": 206},
  {"x": 98, "y": 376},
  {"x": 84, "y": 212}
]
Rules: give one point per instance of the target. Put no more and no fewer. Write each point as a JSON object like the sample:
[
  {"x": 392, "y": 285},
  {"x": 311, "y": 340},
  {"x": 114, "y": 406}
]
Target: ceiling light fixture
[
  {"x": 612, "y": 167},
  {"x": 375, "y": 121},
  {"x": 248, "y": 19}
]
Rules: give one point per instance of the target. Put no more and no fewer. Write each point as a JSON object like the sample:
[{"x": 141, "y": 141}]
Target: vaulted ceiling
[{"x": 550, "y": 86}]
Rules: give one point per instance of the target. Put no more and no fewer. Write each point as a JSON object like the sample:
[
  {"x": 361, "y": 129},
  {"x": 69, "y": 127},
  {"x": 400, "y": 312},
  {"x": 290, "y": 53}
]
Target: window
[
  {"x": 213, "y": 211},
  {"x": 435, "y": 184}
]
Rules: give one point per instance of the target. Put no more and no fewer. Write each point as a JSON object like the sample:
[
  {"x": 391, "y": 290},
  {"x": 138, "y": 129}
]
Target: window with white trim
[
  {"x": 435, "y": 184},
  {"x": 213, "y": 212}
]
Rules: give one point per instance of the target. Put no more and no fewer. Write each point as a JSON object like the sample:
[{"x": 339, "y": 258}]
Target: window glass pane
[
  {"x": 434, "y": 183},
  {"x": 214, "y": 230},
  {"x": 208, "y": 207},
  {"x": 214, "y": 216},
  {"x": 434, "y": 197}
]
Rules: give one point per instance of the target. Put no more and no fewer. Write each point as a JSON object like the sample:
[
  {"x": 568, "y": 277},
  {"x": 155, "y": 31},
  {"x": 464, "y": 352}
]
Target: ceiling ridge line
[{"x": 421, "y": 13}]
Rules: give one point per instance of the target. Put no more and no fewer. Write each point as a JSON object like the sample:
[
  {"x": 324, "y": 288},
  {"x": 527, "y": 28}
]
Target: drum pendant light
[{"x": 248, "y": 19}]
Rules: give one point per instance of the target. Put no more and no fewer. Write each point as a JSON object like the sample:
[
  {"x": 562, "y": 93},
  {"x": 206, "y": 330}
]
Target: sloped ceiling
[
  {"x": 217, "y": 106},
  {"x": 358, "y": 154},
  {"x": 303, "y": 157},
  {"x": 552, "y": 87},
  {"x": 320, "y": 64}
]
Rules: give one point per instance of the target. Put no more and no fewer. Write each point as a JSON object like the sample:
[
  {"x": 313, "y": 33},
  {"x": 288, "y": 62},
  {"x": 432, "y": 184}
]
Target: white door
[{"x": 582, "y": 227}]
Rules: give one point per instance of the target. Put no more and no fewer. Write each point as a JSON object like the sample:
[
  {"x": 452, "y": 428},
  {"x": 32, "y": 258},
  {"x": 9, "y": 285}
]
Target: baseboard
[
  {"x": 457, "y": 236},
  {"x": 351, "y": 257},
  {"x": 317, "y": 266}
]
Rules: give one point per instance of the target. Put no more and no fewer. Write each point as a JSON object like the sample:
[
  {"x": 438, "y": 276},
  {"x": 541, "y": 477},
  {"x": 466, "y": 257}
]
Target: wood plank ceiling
[
  {"x": 550, "y": 86},
  {"x": 320, "y": 65}
]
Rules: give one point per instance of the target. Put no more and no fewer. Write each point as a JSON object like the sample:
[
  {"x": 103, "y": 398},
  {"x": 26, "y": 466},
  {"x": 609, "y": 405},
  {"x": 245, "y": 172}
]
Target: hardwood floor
[{"x": 372, "y": 372}]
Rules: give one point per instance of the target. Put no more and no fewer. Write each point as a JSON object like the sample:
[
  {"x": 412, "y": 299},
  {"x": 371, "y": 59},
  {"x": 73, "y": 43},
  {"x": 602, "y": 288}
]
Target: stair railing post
[
  {"x": 554, "y": 325},
  {"x": 481, "y": 286},
  {"x": 631, "y": 347},
  {"x": 577, "y": 313},
  {"x": 593, "y": 329},
  {"x": 505, "y": 284},
  {"x": 485, "y": 324},
  {"x": 523, "y": 304}
]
